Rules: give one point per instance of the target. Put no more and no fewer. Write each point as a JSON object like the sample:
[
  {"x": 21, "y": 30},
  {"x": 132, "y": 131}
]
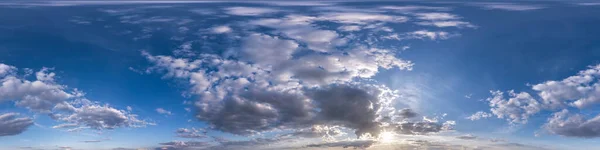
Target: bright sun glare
[{"x": 386, "y": 137}]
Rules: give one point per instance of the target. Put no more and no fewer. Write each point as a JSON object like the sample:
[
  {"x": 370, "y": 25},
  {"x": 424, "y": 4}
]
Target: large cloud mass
[{"x": 299, "y": 77}]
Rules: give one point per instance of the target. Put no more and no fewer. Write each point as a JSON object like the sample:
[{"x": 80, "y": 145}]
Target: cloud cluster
[
  {"x": 578, "y": 91},
  {"x": 44, "y": 95},
  {"x": 11, "y": 125},
  {"x": 302, "y": 76}
]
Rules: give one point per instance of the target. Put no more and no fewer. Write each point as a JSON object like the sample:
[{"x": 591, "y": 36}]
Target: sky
[{"x": 188, "y": 75}]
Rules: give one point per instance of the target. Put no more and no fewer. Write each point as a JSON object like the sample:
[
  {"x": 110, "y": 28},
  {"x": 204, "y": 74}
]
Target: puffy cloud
[
  {"x": 581, "y": 90},
  {"x": 565, "y": 124},
  {"x": 249, "y": 11},
  {"x": 40, "y": 95},
  {"x": 6, "y": 69},
  {"x": 297, "y": 77},
  {"x": 11, "y": 125},
  {"x": 191, "y": 133},
  {"x": 97, "y": 117},
  {"x": 267, "y": 51},
  {"x": 479, "y": 115},
  {"x": 516, "y": 109},
  {"x": 163, "y": 111},
  {"x": 247, "y": 109}
]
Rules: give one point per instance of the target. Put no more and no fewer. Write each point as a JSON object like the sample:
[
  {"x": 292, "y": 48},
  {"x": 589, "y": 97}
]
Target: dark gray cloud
[
  {"x": 350, "y": 106},
  {"x": 11, "y": 125},
  {"x": 407, "y": 113}
]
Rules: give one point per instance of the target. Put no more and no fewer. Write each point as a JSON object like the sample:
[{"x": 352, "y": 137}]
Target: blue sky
[{"x": 299, "y": 75}]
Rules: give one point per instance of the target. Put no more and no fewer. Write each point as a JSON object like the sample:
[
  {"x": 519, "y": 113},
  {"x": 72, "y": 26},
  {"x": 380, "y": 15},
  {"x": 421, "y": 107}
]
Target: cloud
[
  {"x": 581, "y": 90},
  {"x": 39, "y": 95},
  {"x": 407, "y": 113},
  {"x": 249, "y": 11},
  {"x": 191, "y": 133},
  {"x": 509, "y": 6},
  {"x": 410, "y": 8},
  {"x": 443, "y": 24},
  {"x": 360, "y": 18},
  {"x": 266, "y": 51},
  {"x": 351, "y": 106},
  {"x": 248, "y": 110},
  {"x": 163, "y": 111},
  {"x": 467, "y": 137},
  {"x": 46, "y": 96},
  {"x": 349, "y": 28},
  {"x": 565, "y": 124},
  {"x": 421, "y": 128},
  {"x": 184, "y": 144},
  {"x": 436, "y": 16},
  {"x": 346, "y": 144},
  {"x": 327, "y": 133},
  {"x": 85, "y": 113},
  {"x": 479, "y": 115},
  {"x": 6, "y": 70},
  {"x": 11, "y": 125},
  {"x": 221, "y": 29},
  {"x": 588, "y": 4},
  {"x": 517, "y": 109},
  {"x": 428, "y": 34},
  {"x": 299, "y": 3}
]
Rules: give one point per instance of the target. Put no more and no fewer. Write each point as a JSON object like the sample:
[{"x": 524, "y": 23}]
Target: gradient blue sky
[{"x": 126, "y": 57}]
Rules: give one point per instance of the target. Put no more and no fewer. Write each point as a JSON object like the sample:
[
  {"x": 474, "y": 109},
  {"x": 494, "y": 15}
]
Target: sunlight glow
[{"x": 387, "y": 137}]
